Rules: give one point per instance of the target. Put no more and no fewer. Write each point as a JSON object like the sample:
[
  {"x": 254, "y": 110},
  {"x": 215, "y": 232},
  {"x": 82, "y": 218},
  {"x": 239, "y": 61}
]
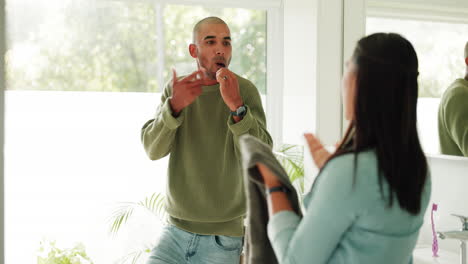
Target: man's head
[{"x": 211, "y": 45}]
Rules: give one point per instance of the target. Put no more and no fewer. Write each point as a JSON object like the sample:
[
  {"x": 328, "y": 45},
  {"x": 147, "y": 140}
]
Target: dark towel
[{"x": 258, "y": 248}]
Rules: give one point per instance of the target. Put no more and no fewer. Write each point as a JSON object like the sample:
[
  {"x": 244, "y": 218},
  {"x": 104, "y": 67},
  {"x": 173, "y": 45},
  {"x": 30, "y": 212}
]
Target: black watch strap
[{"x": 277, "y": 189}]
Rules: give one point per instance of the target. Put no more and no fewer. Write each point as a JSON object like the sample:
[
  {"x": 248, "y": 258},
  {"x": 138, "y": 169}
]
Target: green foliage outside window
[
  {"x": 112, "y": 45},
  {"x": 49, "y": 253}
]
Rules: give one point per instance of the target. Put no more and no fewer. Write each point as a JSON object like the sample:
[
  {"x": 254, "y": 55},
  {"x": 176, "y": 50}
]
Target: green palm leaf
[
  {"x": 153, "y": 204},
  {"x": 135, "y": 256},
  {"x": 291, "y": 157}
]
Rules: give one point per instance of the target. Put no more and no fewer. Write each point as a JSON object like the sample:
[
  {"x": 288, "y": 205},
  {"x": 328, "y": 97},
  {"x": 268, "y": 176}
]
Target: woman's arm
[{"x": 277, "y": 201}]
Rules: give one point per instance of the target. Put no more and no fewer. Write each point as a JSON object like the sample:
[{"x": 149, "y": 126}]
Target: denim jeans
[{"x": 177, "y": 246}]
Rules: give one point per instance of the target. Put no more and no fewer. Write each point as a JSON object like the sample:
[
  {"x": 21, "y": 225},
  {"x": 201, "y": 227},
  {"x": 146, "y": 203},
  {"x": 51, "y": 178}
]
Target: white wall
[
  {"x": 449, "y": 176},
  {"x": 313, "y": 43}
]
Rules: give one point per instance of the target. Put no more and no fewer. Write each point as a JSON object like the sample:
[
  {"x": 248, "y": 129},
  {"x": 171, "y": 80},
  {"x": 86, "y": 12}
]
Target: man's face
[{"x": 212, "y": 48}]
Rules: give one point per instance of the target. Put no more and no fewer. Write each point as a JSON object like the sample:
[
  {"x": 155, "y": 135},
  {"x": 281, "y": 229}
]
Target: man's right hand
[{"x": 185, "y": 91}]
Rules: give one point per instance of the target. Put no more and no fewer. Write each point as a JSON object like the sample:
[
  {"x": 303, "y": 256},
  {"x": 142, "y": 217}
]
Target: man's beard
[
  {"x": 210, "y": 72},
  {"x": 211, "y": 75}
]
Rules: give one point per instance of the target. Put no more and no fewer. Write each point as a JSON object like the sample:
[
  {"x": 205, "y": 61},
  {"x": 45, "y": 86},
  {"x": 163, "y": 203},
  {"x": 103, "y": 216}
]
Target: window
[
  {"x": 113, "y": 46},
  {"x": 83, "y": 77},
  {"x": 440, "y": 48},
  {"x": 82, "y": 46}
]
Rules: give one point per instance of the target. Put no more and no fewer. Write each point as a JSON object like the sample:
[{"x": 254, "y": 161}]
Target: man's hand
[
  {"x": 229, "y": 87},
  {"x": 185, "y": 91},
  {"x": 319, "y": 153}
]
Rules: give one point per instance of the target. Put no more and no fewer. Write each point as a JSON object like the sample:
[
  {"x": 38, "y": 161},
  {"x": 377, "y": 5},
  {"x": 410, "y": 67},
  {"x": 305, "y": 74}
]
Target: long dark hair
[{"x": 385, "y": 116}]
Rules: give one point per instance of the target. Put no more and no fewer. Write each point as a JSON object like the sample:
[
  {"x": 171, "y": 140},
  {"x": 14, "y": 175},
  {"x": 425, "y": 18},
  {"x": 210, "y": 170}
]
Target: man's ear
[
  {"x": 466, "y": 61},
  {"x": 193, "y": 50}
]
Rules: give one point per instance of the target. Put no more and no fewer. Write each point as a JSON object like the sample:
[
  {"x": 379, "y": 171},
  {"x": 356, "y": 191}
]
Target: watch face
[{"x": 241, "y": 111}]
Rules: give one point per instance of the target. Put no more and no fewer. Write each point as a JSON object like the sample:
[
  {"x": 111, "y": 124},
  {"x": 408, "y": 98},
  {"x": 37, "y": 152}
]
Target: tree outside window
[{"x": 111, "y": 46}]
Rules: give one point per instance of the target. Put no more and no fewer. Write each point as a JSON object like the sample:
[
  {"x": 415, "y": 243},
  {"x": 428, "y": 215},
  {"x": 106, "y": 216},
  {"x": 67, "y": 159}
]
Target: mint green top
[
  {"x": 453, "y": 119},
  {"x": 346, "y": 223},
  {"x": 205, "y": 190}
]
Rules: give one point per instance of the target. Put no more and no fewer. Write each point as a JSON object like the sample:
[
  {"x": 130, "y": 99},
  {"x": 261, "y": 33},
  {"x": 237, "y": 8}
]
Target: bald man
[
  {"x": 453, "y": 116},
  {"x": 198, "y": 122}
]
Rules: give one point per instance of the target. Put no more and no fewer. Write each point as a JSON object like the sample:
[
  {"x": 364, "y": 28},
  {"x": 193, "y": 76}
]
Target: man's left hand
[{"x": 229, "y": 87}]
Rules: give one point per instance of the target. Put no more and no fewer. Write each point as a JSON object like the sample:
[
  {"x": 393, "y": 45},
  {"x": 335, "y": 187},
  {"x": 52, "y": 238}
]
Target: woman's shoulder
[
  {"x": 352, "y": 177},
  {"x": 351, "y": 172},
  {"x": 365, "y": 161}
]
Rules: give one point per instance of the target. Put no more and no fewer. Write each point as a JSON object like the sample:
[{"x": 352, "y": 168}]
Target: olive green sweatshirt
[
  {"x": 453, "y": 119},
  {"x": 205, "y": 190}
]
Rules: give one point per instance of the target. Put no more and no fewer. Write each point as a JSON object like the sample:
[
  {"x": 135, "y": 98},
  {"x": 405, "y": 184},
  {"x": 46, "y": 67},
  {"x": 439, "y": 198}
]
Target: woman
[{"x": 368, "y": 202}]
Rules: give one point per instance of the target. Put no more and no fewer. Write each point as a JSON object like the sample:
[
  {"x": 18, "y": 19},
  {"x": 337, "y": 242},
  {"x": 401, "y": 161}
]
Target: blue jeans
[{"x": 177, "y": 246}]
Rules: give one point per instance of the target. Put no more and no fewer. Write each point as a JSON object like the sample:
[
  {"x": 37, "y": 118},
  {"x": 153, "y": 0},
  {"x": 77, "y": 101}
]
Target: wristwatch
[
  {"x": 276, "y": 189},
  {"x": 240, "y": 112}
]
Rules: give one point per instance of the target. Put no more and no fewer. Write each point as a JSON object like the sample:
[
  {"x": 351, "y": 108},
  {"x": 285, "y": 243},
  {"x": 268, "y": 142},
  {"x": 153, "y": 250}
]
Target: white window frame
[
  {"x": 339, "y": 24},
  {"x": 274, "y": 9},
  {"x": 2, "y": 130},
  {"x": 329, "y": 37}
]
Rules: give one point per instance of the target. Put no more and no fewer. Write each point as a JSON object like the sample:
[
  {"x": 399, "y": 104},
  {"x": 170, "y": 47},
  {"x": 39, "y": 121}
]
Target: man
[
  {"x": 198, "y": 122},
  {"x": 453, "y": 116}
]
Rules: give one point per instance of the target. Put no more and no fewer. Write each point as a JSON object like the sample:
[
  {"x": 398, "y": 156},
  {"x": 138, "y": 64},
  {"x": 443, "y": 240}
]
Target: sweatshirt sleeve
[
  {"x": 157, "y": 135},
  {"x": 456, "y": 112},
  {"x": 254, "y": 122},
  {"x": 333, "y": 208}
]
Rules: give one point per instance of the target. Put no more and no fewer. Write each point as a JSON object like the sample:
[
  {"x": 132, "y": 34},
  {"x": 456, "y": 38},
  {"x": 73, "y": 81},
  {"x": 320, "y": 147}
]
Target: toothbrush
[{"x": 435, "y": 245}]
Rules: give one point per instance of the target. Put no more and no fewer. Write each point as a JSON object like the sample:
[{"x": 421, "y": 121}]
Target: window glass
[{"x": 81, "y": 46}]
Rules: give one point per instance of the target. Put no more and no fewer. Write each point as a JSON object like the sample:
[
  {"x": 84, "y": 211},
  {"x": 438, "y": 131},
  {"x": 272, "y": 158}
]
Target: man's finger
[
  {"x": 231, "y": 78},
  {"x": 174, "y": 77},
  {"x": 197, "y": 91},
  {"x": 226, "y": 75},
  {"x": 191, "y": 77},
  {"x": 197, "y": 83},
  {"x": 222, "y": 76},
  {"x": 223, "y": 71},
  {"x": 220, "y": 79}
]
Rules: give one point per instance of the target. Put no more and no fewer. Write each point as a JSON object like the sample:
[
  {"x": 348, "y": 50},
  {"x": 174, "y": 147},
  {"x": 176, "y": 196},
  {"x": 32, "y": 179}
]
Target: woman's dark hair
[{"x": 385, "y": 116}]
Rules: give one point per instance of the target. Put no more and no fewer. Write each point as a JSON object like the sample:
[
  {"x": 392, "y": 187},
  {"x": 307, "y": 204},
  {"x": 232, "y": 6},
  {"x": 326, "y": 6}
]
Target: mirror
[{"x": 440, "y": 47}]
